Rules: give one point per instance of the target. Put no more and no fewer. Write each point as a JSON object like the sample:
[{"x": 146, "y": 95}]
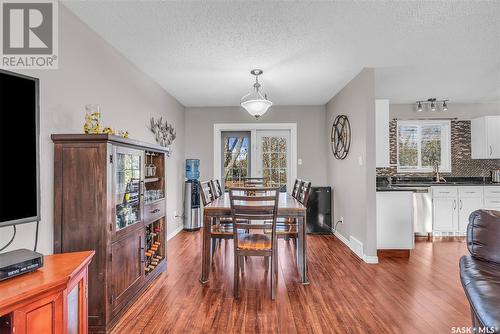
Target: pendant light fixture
[{"x": 255, "y": 103}]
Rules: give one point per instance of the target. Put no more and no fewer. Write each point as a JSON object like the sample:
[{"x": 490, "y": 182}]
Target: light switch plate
[{"x": 299, "y": 161}]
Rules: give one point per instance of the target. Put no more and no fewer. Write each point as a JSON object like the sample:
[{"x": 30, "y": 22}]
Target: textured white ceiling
[{"x": 202, "y": 52}]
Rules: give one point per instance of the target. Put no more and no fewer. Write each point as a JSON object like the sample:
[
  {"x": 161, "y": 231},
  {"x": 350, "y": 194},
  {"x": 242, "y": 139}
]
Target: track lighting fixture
[{"x": 431, "y": 104}]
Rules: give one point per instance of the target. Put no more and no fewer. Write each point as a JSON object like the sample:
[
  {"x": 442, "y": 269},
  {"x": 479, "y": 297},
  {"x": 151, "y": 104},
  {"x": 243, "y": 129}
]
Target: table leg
[
  {"x": 302, "y": 250},
  {"x": 205, "y": 249}
]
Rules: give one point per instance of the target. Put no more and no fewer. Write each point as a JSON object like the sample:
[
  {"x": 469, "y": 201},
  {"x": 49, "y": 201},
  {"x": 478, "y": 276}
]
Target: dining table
[{"x": 288, "y": 207}]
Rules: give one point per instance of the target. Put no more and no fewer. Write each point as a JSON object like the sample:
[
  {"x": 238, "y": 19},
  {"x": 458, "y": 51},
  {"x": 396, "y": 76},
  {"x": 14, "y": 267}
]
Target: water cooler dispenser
[{"x": 192, "y": 208}]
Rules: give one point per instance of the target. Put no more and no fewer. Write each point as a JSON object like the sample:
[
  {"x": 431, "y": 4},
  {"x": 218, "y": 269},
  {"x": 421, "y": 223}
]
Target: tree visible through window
[
  {"x": 424, "y": 146},
  {"x": 274, "y": 160},
  {"x": 236, "y": 158}
]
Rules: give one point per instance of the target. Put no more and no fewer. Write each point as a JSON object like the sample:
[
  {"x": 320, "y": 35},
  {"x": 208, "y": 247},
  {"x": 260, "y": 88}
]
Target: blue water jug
[{"x": 192, "y": 169}]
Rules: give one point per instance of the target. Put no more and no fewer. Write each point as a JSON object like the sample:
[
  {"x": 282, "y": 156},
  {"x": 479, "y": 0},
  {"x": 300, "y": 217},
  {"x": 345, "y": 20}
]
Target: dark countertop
[
  {"x": 396, "y": 188},
  {"x": 420, "y": 183}
]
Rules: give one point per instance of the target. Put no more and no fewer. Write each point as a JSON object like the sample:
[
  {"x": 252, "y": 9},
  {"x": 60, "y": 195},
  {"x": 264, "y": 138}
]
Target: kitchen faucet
[{"x": 437, "y": 176}]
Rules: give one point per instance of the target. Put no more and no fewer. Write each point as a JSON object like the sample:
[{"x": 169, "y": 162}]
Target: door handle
[
  {"x": 454, "y": 204},
  {"x": 460, "y": 204},
  {"x": 491, "y": 150},
  {"x": 141, "y": 251}
]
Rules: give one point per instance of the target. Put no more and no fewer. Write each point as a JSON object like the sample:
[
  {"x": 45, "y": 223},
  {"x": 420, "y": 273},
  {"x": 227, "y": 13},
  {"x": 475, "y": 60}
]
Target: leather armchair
[{"x": 480, "y": 270}]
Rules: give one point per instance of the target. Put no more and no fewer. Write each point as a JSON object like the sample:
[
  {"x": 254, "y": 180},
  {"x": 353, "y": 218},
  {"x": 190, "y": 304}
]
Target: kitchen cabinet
[
  {"x": 382, "y": 132},
  {"x": 470, "y": 199},
  {"x": 452, "y": 207},
  {"x": 445, "y": 214},
  {"x": 395, "y": 220},
  {"x": 492, "y": 198},
  {"x": 485, "y": 137}
]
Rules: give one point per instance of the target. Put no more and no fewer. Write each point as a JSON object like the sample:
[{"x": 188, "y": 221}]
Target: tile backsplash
[{"x": 461, "y": 162}]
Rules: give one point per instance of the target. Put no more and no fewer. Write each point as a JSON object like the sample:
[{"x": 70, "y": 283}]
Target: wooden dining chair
[
  {"x": 296, "y": 187},
  {"x": 253, "y": 181},
  {"x": 254, "y": 209},
  {"x": 220, "y": 229},
  {"x": 304, "y": 192},
  {"x": 287, "y": 228},
  {"x": 216, "y": 188},
  {"x": 207, "y": 193}
]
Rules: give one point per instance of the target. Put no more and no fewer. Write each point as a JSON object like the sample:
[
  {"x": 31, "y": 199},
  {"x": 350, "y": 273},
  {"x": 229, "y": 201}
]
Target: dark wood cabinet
[
  {"x": 109, "y": 196},
  {"x": 127, "y": 271},
  {"x": 52, "y": 299}
]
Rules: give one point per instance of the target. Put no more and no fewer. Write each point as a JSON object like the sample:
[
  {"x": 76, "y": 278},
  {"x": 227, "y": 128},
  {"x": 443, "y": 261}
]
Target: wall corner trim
[{"x": 366, "y": 258}]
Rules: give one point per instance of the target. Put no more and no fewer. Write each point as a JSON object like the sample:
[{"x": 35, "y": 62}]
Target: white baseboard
[
  {"x": 174, "y": 232},
  {"x": 357, "y": 248},
  {"x": 370, "y": 259},
  {"x": 342, "y": 238}
]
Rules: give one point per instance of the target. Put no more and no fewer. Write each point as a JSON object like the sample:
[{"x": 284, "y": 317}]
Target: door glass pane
[
  {"x": 274, "y": 161},
  {"x": 73, "y": 310},
  {"x": 236, "y": 155},
  {"x": 128, "y": 177},
  {"x": 407, "y": 146}
]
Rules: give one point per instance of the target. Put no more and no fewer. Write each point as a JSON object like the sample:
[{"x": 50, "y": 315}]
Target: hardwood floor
[{"x": 417, "y": 295}]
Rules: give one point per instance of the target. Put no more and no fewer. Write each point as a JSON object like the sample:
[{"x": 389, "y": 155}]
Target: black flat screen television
[{"x": 19, "y": 149}]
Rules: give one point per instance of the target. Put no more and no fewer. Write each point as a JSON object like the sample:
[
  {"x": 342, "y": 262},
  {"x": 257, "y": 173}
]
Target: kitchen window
[{"x": 423, "y": 145}]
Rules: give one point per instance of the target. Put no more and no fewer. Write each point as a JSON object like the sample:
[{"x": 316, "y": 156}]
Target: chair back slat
[
  {"x": 207, "y": 194},
  {"x": 253, "y": 181}
]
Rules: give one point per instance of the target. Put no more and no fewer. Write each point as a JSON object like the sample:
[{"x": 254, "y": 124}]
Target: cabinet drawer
[
  {"x": 154, "y": 211},
  {"x": 492, "y": 203},
  {"x": 492, "y": 192},
  {"x": 465, "y": 192},
  {"x": 444, "y": 191}
]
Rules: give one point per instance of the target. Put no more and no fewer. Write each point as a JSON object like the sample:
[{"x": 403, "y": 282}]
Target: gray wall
[
  {"x": 462, "y": 111},
  {"x": 311, "y": 134},
  {"x": 91, "y": 71},
  {"x": 353, "y": 178}
]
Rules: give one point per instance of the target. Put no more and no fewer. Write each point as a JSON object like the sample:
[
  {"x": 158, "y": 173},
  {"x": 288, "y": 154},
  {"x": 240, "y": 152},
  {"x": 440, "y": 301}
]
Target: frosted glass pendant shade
[
  {"x": 256, "y": 108},
  {"x": 255, "y": 103}
]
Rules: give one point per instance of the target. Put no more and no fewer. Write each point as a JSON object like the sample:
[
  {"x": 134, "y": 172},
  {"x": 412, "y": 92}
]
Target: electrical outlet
[{"x": 341, "y": 220}]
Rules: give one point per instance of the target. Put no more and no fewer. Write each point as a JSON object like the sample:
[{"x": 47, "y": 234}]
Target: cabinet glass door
[{"x": 128, "y": 186}]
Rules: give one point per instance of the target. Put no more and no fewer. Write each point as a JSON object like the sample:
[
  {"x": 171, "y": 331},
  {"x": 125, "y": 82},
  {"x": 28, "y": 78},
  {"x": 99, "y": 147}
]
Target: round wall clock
[{"x": 341, "y": 137}]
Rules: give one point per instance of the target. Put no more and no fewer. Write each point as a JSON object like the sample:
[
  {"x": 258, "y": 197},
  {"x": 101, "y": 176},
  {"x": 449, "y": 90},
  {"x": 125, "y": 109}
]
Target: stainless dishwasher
[{"x": 422, "y": 211}]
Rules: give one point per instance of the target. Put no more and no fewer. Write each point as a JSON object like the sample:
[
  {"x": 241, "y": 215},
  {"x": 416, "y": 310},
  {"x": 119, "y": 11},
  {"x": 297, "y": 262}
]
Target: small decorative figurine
[{"x": 109, "y": 131}]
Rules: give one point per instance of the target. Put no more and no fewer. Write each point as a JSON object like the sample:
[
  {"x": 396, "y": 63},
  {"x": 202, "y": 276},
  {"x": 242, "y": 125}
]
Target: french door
[
  {"x": 272, "y": 158},
  {"x": 256, "y": 153}
]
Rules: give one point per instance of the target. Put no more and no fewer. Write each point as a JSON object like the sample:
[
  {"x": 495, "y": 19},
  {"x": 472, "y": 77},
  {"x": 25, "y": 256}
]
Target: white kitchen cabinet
[
  {"x": 395, "y": 220},
  {"x": 452, "y": 207},
  {"x": 382, "y": 133},
  {"x": 445, "y": 214},
  {"x": 465, "y": 207},
  {"x": 492, "y": 198},
  {"x": 485, "y": 137}
]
